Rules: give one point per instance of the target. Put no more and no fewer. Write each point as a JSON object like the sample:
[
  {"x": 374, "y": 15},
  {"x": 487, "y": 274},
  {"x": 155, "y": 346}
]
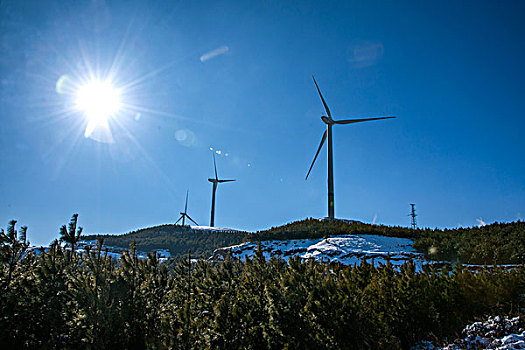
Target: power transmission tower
[{"x": 413, "y": 215}]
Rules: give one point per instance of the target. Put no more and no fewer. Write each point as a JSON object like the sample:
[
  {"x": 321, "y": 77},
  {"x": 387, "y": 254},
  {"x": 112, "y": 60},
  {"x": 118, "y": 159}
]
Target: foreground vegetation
[{"x": 60, "y": 299}]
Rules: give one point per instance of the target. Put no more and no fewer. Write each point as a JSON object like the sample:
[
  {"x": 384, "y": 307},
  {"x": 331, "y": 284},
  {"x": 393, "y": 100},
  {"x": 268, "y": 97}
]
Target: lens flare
[
  {"x": 64, "y": 84},
  {"x": 432, "y": 250},
  {"x": 186, "y": 137}
]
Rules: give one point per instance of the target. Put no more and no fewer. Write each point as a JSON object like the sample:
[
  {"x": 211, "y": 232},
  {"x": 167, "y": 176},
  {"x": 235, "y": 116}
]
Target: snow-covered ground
[
  {"x": 345, "y": 249},
  {"x": 113, "y": 252},
  {"x": 214, "y": 229},
  {"x": 501, "y": 333}
]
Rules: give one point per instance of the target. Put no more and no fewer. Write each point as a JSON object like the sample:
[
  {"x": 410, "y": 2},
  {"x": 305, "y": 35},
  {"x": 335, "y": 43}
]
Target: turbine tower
[
  {"x": 215, "y": 182},
  {"x": 328, "y": 134},
  {"x": 185, "y": 215}
]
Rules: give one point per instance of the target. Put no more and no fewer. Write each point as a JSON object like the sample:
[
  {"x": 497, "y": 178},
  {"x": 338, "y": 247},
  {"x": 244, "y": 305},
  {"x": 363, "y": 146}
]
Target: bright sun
[{"x": 99, "y": 100}]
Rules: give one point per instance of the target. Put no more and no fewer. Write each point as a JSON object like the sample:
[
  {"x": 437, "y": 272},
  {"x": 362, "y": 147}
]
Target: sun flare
[
  {"x": 102, "y": 100},
  {"x": 99, "y": 100}
]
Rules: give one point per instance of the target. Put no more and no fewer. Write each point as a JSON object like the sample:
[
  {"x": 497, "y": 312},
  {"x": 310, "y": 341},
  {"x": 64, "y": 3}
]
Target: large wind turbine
[
  {"x": 328, "y": 133},
  {"x": 185, "y": 215},
  {"x": 215, "y": 182}
]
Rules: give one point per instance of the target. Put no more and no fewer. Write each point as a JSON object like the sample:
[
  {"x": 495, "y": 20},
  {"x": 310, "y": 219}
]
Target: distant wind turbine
[
  {"x": 185, "y": 215},
  {"x": 328, "y": 133},
  {"x": 215, "y": 182}
]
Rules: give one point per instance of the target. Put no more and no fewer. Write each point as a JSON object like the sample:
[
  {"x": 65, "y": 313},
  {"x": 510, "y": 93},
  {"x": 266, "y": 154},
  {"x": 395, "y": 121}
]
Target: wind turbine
[
  {"x": 185, "y": 215},
  {"x": 215, "y": 182},
  {"x": 328, "y": 134}
]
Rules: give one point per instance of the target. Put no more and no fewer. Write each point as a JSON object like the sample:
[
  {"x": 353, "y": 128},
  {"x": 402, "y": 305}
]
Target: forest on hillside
[
  {"x": 498, "y": 243},
  {"x": 179, "y": 240},
  {"x": 63, "y": 299}
]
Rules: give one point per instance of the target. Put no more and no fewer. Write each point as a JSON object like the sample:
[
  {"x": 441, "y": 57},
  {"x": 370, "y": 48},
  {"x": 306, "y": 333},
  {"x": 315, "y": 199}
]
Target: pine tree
[{"x": 70, "y": 234}]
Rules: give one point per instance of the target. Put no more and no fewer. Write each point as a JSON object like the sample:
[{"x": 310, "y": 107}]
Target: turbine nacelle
[
  {"x": 327, "y": 120},
  {"x": 219, "y": 181}
]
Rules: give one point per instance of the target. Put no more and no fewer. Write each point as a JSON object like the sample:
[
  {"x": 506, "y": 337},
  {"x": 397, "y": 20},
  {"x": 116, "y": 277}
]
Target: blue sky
[{"x": 236, "y": 77}]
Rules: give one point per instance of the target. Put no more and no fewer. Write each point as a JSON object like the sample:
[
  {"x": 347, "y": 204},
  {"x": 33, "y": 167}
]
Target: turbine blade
[
  {"x": 322, "y": 99},
  {"x": 323, "y": 139},
  {"x": 179, "y": 219},
  {"x": 186, "y": 206},
  {"x": 192, "y": 220},
  {"x": 221, "y": 181},
  {"x": 352, "y": 121},
  {"x": 215, "y": 167}
]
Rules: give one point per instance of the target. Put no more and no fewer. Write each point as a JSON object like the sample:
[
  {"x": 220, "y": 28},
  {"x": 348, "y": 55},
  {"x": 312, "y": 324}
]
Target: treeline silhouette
[
  {"x": 63, "y": 299},
  {"x": 319, "y": 228},
  {"x": 498, "y": 243},
  {"x": 177, "y": 239}
]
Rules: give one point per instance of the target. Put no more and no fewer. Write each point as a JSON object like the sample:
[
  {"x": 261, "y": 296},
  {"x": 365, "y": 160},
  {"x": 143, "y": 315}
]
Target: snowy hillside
[{"x": 345, "y": 249}]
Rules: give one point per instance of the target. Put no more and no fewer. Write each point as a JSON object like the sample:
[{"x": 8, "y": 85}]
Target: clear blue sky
[{"x": 236, "y": 77}]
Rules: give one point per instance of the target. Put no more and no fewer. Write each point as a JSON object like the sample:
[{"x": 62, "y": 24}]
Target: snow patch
[
  {"x": 501, "y": 333},
  {"x": 116, "y": 252},
  {"x": 345, "y": 249}
]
